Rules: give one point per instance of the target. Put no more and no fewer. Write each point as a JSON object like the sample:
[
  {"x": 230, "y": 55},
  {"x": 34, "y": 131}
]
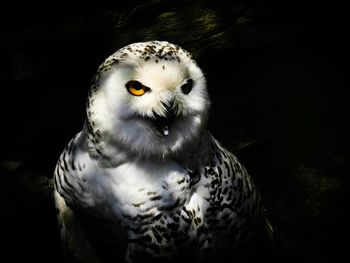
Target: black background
[{"x": 277, "y": 74}]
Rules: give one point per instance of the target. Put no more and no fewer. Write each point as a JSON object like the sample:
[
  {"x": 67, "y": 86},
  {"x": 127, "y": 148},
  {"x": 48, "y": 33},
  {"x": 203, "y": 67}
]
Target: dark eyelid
[{"x": 134, "y": 83}]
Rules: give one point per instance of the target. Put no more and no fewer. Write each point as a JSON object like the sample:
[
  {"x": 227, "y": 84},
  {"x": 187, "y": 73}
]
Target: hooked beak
[{"x": 163, "y": 123}]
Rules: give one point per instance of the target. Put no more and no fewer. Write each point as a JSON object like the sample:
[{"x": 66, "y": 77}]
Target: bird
[{"x": 144, "y": 180}]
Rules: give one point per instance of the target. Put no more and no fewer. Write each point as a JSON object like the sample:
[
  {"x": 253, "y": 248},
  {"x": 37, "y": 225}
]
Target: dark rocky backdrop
[{"x": 277, "y": 74}]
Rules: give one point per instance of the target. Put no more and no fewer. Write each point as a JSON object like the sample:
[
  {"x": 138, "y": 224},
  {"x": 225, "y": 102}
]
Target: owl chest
[
  {"x": 160, "y": 206},
  {"x": 135, "y": 190}
]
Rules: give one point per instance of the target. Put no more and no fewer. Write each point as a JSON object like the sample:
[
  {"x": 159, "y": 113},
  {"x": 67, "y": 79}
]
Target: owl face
[{"x": 149, "y": 97}]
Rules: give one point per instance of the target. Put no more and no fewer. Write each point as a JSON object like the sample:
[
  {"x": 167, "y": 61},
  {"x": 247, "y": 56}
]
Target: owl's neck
[
  {"x": 106, "y": 153},
  {"x": 112, "y": 154},
  {"x": 197, "y": 153}
]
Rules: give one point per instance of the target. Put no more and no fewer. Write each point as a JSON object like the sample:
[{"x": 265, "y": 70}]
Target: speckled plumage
[{"x": 144, "y": 181}]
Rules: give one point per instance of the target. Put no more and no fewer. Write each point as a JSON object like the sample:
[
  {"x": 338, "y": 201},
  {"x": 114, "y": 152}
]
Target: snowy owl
[{"x": 144, "y": 181}]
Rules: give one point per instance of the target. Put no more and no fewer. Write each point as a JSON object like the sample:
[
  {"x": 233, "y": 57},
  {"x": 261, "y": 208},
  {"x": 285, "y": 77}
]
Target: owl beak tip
[
  {"x": 165, "y": 131},
  {"x": 163, "y": 125}
]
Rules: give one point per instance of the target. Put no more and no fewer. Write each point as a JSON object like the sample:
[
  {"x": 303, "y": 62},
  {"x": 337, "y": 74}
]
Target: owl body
[{"x": 145, "y": 181}]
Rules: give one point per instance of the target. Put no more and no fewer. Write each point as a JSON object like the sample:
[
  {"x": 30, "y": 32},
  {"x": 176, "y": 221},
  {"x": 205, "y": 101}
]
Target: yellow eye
[{"x": 136, "y": 88}]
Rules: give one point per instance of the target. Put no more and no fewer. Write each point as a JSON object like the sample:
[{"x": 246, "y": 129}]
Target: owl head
[{"x": 148, "y": 98}]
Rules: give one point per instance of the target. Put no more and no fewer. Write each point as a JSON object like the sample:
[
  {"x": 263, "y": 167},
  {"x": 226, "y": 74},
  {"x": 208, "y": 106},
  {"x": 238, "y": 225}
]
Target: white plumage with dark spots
[{"x": 144, "y": 181}]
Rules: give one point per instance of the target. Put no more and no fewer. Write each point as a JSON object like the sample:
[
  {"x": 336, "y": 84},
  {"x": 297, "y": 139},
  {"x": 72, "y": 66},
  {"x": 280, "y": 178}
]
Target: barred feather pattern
[{"x": 214, "y": 209}]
